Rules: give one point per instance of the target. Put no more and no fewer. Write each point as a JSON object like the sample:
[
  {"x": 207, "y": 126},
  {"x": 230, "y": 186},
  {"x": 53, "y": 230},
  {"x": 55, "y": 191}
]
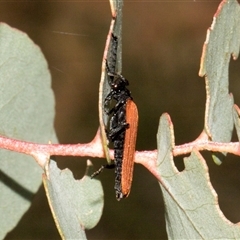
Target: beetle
[
  {"x": 123, "y": 134},
  {"x": 122, "y": 128}
]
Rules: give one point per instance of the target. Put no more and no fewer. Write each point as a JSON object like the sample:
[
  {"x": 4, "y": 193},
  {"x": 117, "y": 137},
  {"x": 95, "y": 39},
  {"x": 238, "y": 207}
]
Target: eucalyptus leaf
[
  {"x": 115, "y": 65},
  {"x": 222, "y": 41},
  {"x": 75, "y": 204},
  {"x": 191, "y": 203},
  {"x": 236, "y": 116},
  {"x": 26, "y": 113}
]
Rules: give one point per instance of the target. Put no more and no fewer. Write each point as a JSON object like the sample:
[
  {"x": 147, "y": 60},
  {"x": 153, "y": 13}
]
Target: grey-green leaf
[
  {"x": 26, "y": 113},
  {"x": 75, "y": 204},
  {"x": 236, "y": 116},
  {"x": 223, "y": 40},
  {"x": 191, "y": 204},
  {"x": 104, "y": 87}
]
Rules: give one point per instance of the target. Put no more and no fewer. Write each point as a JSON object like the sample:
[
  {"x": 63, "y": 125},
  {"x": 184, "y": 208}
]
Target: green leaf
[
  {"x": 236, "y": 116},
  {"x": 75, "y": 204},
  {"x": 191, "y": 204},
  {"x": 104, "y": 88},
  {"x": 223, "y": 40},
  {"x": 26, "y": 113}
]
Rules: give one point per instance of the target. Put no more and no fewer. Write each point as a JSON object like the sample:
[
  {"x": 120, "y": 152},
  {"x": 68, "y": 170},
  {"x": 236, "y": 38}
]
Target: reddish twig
[{"x": 42, "y": 152}]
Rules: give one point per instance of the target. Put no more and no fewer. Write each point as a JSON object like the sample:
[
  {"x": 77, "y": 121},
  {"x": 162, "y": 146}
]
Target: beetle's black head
[{"x": 119, "y": 83}]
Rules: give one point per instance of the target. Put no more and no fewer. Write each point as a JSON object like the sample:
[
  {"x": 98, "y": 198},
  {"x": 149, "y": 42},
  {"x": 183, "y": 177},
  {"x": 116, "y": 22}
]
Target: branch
[{"x": 42, "y": 152}]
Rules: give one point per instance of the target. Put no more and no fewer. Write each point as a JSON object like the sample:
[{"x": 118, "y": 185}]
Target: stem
[{"x": 42, "y": 152}]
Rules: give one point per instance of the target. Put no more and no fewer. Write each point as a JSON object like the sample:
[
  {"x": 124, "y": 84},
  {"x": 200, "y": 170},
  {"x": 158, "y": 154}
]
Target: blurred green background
[{"x": 162, "y": 44}]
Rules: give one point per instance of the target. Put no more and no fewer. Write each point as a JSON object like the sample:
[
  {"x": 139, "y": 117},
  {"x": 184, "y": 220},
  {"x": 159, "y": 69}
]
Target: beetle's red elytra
[{"x": 129, "y": 147}]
